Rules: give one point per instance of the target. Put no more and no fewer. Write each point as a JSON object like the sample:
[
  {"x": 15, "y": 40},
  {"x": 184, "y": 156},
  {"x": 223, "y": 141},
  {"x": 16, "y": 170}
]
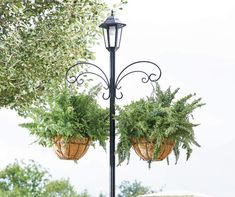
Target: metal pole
[
  {"x": 112, "y": 91},
  {"x": 112, "y": 86}
]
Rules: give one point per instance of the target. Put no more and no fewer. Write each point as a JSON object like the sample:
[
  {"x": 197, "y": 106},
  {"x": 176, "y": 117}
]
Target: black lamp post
[{"x": 112, "y": 32}]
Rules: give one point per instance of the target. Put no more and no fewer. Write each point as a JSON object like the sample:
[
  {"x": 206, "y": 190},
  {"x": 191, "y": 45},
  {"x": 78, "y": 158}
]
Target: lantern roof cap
[{"x": 112, "y": 21}]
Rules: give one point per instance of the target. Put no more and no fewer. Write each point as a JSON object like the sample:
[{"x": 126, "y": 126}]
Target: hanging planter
[
  {"x": 157, "y": 125},
  {"x": 69, "y": 122},
  {"x": 74, "y": 149},
  {"x": 145, "y": 149}
]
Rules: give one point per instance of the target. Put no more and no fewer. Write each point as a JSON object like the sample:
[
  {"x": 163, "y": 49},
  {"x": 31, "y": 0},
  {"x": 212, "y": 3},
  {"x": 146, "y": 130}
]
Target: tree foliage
[
  {"x": 61, "y": 188},
  {"x": 31, "y": 180},
  {"x": 23, "y": 179},
  {"x": 39, "y": 40},
  {"x": 134, "y": 189}
]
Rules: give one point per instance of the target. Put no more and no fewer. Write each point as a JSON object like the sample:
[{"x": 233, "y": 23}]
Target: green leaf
[{"x": 158, "y": 118}]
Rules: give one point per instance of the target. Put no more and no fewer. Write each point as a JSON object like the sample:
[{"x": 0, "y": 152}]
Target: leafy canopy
[
  {"x": 32, "y": 180},
  {"x": 23, "y": 179},
  {"x": 61, "y": 188},
  {"x": 69, "y": 115},
  {"x": 158, "y": 118},
  {"x": 134, "y": 189},
  {"x": 39, "y": 40}
]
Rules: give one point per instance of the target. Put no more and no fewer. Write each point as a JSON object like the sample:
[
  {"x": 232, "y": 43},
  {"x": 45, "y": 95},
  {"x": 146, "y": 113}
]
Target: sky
[{"x": 194, "y": 44}]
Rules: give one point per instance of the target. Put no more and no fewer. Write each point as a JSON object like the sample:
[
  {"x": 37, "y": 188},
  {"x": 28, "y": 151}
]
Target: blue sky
[{"x": 194, "y": 44}]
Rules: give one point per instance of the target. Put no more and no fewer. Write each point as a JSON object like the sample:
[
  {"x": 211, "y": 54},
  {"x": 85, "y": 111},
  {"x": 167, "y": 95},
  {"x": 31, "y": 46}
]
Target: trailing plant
[
  {"x": 156, "y": 119},
  {"x": 69, "y": 115}
]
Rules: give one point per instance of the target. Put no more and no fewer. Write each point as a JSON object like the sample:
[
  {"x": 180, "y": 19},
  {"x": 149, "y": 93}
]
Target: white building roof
[{"x": 175, "y": 194}]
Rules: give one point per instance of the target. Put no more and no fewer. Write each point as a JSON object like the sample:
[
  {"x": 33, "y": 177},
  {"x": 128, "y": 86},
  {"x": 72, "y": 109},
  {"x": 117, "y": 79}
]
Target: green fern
[
  {"x": 158, "y": 118},
  {"x": 69, "y": 115}
]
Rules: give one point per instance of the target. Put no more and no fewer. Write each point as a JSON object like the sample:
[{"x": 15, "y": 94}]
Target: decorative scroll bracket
[
  {"x": 148, "y": 77},
  {"x": 79, "y": 80}
]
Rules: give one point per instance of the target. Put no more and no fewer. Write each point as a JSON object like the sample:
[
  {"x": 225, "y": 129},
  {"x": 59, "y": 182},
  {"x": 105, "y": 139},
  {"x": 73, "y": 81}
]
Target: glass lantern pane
[
  {"x": 112, "y": 36},
  {"x": 105, "y": 34},
  {"x": 119, "y": 36}
]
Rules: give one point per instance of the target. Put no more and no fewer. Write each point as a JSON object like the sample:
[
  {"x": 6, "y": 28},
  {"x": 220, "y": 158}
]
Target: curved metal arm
[
  {"x": 77, "y": 78},
  {"x": 73, "y": 78},
  {"x": 152, "y": 77}
]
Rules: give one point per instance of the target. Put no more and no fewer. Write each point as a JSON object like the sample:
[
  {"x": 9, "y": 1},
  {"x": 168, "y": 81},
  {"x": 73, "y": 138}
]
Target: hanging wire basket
[
  {"x": 74, "y": 149},
  {"x": 145, "y": 149}
]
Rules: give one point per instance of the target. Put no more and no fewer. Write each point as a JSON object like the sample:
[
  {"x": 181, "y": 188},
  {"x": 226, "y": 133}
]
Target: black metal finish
[
  {"x": 152, "y": 77},
  {"x": 112, "y": 32},
  {"x": 112, "y": 21},
  {"x": 112, "y": 90},
  {"x": 112, "y": 85},
  {"x": 77, "y": 79}
]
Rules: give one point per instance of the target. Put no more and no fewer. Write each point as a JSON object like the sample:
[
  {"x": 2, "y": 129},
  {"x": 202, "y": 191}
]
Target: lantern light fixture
[{"x": 112, "y": 32}]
